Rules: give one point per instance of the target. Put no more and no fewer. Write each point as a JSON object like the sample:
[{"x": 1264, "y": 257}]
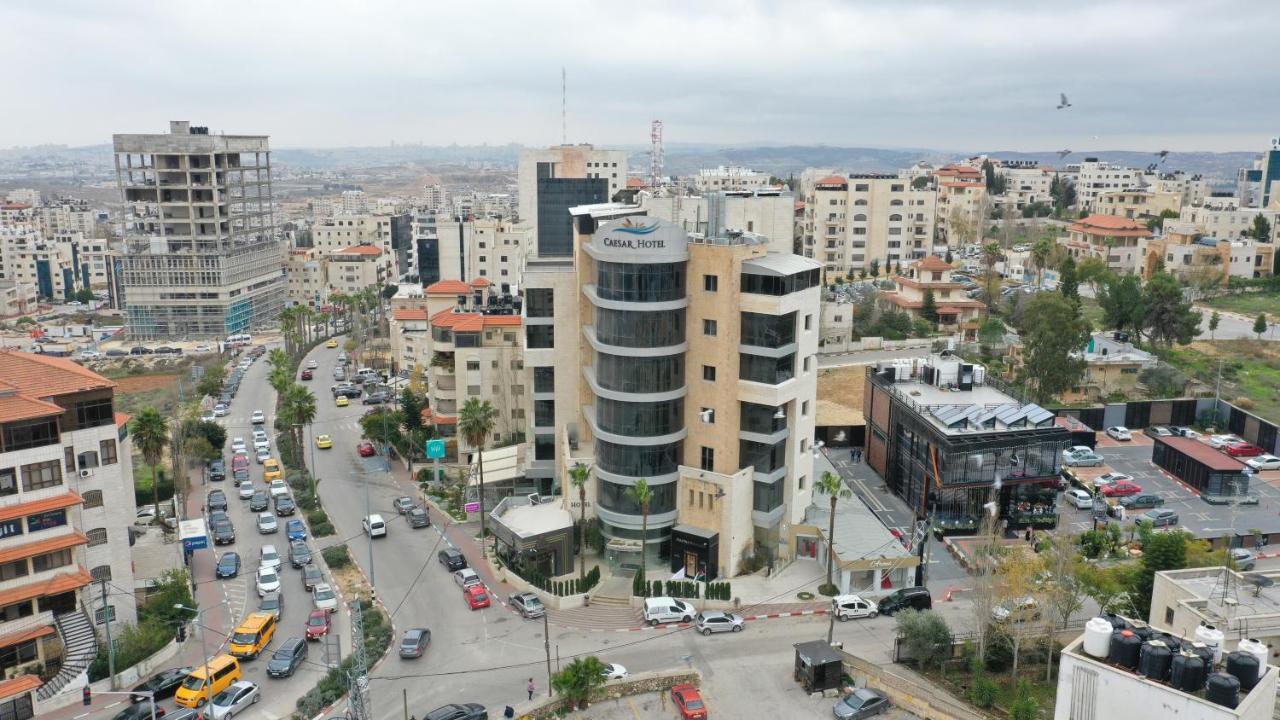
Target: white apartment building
[
  {"x": 1096, "y": 177},
  {"x": 354, "y": 202},
  {"x": 23, "y": 196},
  {"x": 962, "y": 206},
  {"x": 855, "y": 220},
  {"x": 564, "y": 162},
  {"x": 315, "y": 276},
  {"x": 487, "y": 247},
  {"x": 729, "y": 177},
  {"x": 1192, "y": 189},
  {"x": 57, "y": 266},
  {"x": 700, "y": 379},
  {"x": 1224, "y": 219},
  {"x": 1025, "y": 186},
  {"x": 434, "y": 199},
  {"x": 66, "y": 510},
  {"x": 770, "y": 212}
]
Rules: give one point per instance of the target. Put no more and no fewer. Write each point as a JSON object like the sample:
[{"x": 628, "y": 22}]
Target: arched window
[
  {"x": 895, "y": 201},
  {"x": 860, "y": 201},
  {"x": 102, "y": 572},
  {"x": 859, "y": 217},
  {"x": 895, "y": 218}
]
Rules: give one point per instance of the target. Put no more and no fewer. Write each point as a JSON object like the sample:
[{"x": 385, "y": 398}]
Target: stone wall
[
  {"x": 909, "y": 691},
  {"x": 637, "y": 684}
]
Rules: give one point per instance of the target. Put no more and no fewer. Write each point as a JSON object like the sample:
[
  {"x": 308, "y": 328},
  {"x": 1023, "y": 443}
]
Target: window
[
  {"x": 87, "y": 459},
  {"x": 804, "y": 444},
  {"x": 708, "y": 459},
  {"x": 540, "y": 337},
  {"x": 544, "y": 413},
  {"x": 544, "y": 379},
  {"x": 804, "y": 408},
  {"x": 1168, "y": 616},
  {"x": 107, "y": 452},
  {"x": 8, "y": 481},
  {"x": 800, "y": 482},
  {"x": 49, "y": 561},
  {"x": 102, "y": 572},
  {"x": 539, "y": 302},
  {"x": 101, "y": 615},
  {"x": 19, "y": 708},
  {"x": 97, "y": 536},
  {"x": 709, "y": 327},
  {"x": 473, "y": 364},
  {"x": 13, "y": 612},
  {"x": 92, "y": 499},
  {"x": 41, "y": 475},
  {"x": 707, "y": 415},
  {"x": 69, "y": 458},
  {"x": 808, "y": 362},
  {"x": 93, "y": 413},
  {"x": 15, "y": 569},
  {"x": 808, "y": 322},
  {"x": 709, "y": 373},
  {"x": 711, "y": 283}
]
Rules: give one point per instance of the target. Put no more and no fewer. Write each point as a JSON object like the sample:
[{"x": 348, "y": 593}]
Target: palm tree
[
  {"x": 475, "y": 422},
  {"x": 150, "y": 435},
  {"x": 298, "y": 408},
  {"x": 277, "y": 358},
  {"x": 991, "y": 254},
  {"x": 1041, "y": 251},
  {"x": 578, "y": 476},
  {"x": 831, "y": 485},
  {"x": 641, "y": 494}
]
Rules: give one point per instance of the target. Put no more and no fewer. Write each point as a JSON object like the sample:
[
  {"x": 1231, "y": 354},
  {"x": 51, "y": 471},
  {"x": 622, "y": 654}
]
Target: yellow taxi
[
  {"x": 341, "y": 401},
  {"x": 271, "y": 470},
  {"x": 333, "y": 343},
  {"x": 324, "y": 442}
]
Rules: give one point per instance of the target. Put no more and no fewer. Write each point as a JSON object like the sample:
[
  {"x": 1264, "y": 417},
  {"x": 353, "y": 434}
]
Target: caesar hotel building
[{"x": 686, "y": 361}]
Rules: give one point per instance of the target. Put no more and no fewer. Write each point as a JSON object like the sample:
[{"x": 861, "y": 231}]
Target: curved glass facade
[
  {"x": 640, "y": 374},
  {"x": 640, "y": 282},
  {"x": 614, "y": 497},
  {"x": 639, "y": 419},
  {"x": 643, "y": 461},
  {"x": 629, "y": 328}
]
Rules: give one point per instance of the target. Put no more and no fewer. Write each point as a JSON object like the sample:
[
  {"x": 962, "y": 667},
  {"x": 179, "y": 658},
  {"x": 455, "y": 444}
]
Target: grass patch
[
  {"x": 1249, "y": 303},
  {"x": 142, "y": 481},
  {"x": 337, "y": 556},
  {"x": 1250, "y": 371}
]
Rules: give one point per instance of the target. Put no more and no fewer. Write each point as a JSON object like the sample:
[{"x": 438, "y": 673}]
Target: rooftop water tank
[
  {"x": 1154, "y": 660},
  {"x": 1258, "y": 650},
  {"x": 1187, "y": 672},
  {"x": 1245, "y": 668},
  {"x": 1211, "y": 636},
  {"x": 1204, "y": 652},
  {"x": 1141, "y": 629},
  {"x": 1223, "y": 689},
  {"x": 1097, "y": 637},
  {"x": 1174, "y": 643},
  {"x": 1124, "y": 649},
  {"x": 1116, "y": 621}
]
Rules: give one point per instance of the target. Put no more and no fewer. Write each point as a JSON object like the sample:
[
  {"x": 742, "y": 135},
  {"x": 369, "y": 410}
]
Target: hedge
[{"x": 573, "y": 586}]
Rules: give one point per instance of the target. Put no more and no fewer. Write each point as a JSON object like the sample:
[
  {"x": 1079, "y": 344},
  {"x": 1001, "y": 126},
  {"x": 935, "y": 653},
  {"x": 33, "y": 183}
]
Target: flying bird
[
  {"x": 1063, "y": 103},
  {"x": 1163, "y": 154},
  {"x": 1063, "y": 153}
]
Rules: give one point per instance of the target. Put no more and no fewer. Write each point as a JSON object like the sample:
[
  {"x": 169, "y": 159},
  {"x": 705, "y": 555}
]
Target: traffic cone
[{"x": 947, "y": 597}]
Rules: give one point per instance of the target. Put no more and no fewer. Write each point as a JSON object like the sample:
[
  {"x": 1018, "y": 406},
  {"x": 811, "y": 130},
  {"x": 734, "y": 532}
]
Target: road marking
[{"x": 634, "y": 710}]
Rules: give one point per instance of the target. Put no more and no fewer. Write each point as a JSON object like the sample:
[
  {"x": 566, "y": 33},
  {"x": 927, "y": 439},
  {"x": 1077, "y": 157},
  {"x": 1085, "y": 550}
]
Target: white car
[
  {"x": 1075, "y": 449},
  {"x": 1221, "y": 441},
  {"x": 208, "y": 418},
  {"x": 466, "y": 577},
  {"x": 234, "y": 700},
  {"x": 246, "y": 490},
  {"x": 1264, "y": 462},
  {"x": 279, "y": 487},
  {"x": 260, "y": 444},
  {"x": 258, "y": 417},
  {"x": 1119, "y": 432},
  {"x": 220, "y": 410},
  {"x": 267, "y": 523},
  {"x": 270, "y": 558},
  {"x": 323, "y": 597},
  {"x": 374, "y": 526},
  {"x": 1081, "y": 499},
  {"x": 262, "y": 455},
  {"x": 90, "y": 355},
  {"x": 1109, "y": 478},
  {"x": 614, "y": 671},
  {"x": 238, "y": 446},
  {"x": 312, "y": 364},
  {"x": 268, "y": 580}
]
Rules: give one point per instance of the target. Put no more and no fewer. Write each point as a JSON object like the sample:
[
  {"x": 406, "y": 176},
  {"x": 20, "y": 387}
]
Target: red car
[
  {"x": 689, "y": 702},
  {"x": 1121, "y": 489},
  {"x": 318, "y": 624},
  {"x": 1242, "y": 449},
  {"x": 239, "y": 462},
  {"x": 306, "y": 375},
  {"x": 366, "y": 449},
  {"x": 477, "y": 596}
]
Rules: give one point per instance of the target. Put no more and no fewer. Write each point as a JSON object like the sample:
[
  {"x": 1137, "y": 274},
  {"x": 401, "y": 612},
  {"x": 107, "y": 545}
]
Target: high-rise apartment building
[
  {"x": 768, "y": 211},
  {"x": 201, "y": 255},
  {"x": 487, "y": 247},
  {"x": 855, "y": 220},
  {"x": 1096, "y": 178},
  {"x": 731, "y": 177},
  {"x": 554, "y": 179},
  {"x": 686, "y": 361}
]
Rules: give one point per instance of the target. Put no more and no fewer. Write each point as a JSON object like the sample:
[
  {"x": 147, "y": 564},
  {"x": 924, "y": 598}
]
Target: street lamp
[{"x": 208, "y": 681}]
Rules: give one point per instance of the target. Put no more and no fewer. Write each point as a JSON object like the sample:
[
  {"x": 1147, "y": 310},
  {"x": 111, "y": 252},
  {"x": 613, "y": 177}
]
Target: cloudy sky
[{"x": 965, "y": 75}]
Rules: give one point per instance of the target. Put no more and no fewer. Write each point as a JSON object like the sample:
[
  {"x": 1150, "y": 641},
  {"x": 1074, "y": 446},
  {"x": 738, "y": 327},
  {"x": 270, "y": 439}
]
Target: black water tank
[
  {"x": 1154, "y": 660},
  {"x": 1116, "y": 621},
  {"x": 1204, "y": 652},
  {"x": 1125, "y": 647},
  {"x": 1142, "y": 630},
  {"x": 1173, "y": 643},
  {"x": 1223, "y": 689},
  {"x": 1244, "y": 667},
  {"x": 1187, "y": 673}
]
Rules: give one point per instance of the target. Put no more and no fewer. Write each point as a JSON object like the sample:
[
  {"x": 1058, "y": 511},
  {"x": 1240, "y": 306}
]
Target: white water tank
[
  {"x": 1258, "y": 650},
  {"x": 1097, "y": 637},
  {"x": 1212, "y": 637},
  {"x": 979, "y": 374}
]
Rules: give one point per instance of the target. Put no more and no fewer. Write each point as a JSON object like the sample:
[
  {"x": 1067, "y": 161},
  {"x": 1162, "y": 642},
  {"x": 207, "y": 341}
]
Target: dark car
[
  {"x": 917, "y": 598},
  {"x": 1160, "y": 518},
  {"x": 311, "y": 576},
  {"x": 164, "y": 684},
  {"x": 117, "y": 353},
  {"x": 285, "y": 505},
  {"x": 452, "y": 559},
  {"x": 307, "y": 375},
  {"x": 139, "y": 350},
  {"x": 259, "y": 502},
  {"x": 414, "y": 642},
  {"x": 1144, "y": 500},
  {"x": 376, "y": 398},
  {"x": 217, "y": 470},
  {"x": 455, "y": 711},
  {"x": 299, "y": 554},
  {"x": 224, "y": 533},
  {"x": 240, "y": 476},
  {"x": 418, "y": 518},
  {"x": 141, "y": 711},
  {"x": 272, "y": 602},
  {"x": 286, "y": 659},
  {"x": 228, "y": 565},
  {"x": 217, "y": 500},
  {"x": 861, "y": 703},
  {"x": 346, "y": 389}
]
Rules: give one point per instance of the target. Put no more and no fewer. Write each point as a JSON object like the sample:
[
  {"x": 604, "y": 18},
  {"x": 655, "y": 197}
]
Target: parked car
[
  {"x": 1264, "y": 462},
  {"x": 1119, "y": 432},
  {"x": 1157, "y": 431},
  {"x": 1243, "y": 449},
  {"x": 1089, "y": 459},
  {"x": 1144, "y": 500},
  {"x": 1221, "y": 441},
  {"x": 418, "y": 518},
  {"x": 259, "y": 502},
  {"x": 238, "y": 446},
  {"x": 526, "y": 603},
  {"x": 216, "y": 500},
  {"x": 258, "y": 417},
  {"x": 688, "y": 702},
  {"x": 1184, "y": 431},
  {"x": 272, "y": 602},
  {"x": 318, "y": 624},
  {"x": 477, "y": 596},
  {"x": 228, "y": 565},
  {"x": 269, "y": 558},
  {"x": 861, "y": 703},
  {"x": 614, "y": 671},
  {"x": 466, "y": 578},
  {"x": 232, "y": 701},
  {"x": 1016, "y": 610},
  {"x": 1075, "y": 449},
  {"x": 240, "y": 475},
  {"x": 164, "y": 684},
  {"x": 1161, "y": 517},
  {"x": 261, "y": 454},
  {"x": 1121, "y": 489},
  {"x": 403, "y": 504},
  {"x": 366, "y": 449},
  {"x": 341, "y": 401},
  {"x": 917, "y": 598},
  {"x": 268, "y": 581},
  {"x": 307, "y": 375},
  {"x": 456, "y": 711},
  {"x": 286, "y": 659},
  {"x": 414, "y": 642},
  {"x": 285, "y": 505},
  {"x": 295, "y": 530},
  {"x": 141, "y": 711},
  {"x": 224, "y": 533},
  {"x": 299, "y": 554},
  {"x": 324, "y": 597},
  {"x": 1109, "y": 478},
  {"x": 216, "y": 470},
  {"x": 220, "y": 410},
  {"x": 1243, "y": 560},
  {"x": 1080, "y": 499},
  {"x": 452, "y": 559},
  {"x": 378, "y": 397},
  {"x": 714, "y": 621},
  {"x": 311, "y": 576}
]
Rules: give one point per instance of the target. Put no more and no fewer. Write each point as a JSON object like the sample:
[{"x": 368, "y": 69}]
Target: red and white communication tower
[{"x": 655, "y": 154}]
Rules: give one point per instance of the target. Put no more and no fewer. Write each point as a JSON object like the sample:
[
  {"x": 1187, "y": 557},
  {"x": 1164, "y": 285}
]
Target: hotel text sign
[{"x": 641, "y": 234}]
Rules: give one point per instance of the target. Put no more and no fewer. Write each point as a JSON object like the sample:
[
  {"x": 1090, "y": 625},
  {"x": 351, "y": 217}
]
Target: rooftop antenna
[
  {"x": 564, "y": 109},
  {"x": 655, "y": 154}
]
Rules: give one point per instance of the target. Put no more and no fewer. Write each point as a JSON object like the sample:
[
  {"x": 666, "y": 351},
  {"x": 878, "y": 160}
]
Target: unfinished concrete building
[{"x": 202, "y": 258}]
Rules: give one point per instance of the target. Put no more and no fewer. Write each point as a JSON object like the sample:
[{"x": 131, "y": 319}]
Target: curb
[{"x": 685, "y": 626}]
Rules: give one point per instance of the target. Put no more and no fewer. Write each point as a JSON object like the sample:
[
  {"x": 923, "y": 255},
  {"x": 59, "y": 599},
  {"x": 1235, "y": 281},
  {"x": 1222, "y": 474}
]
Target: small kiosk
[{"x": 818, "y": 666}]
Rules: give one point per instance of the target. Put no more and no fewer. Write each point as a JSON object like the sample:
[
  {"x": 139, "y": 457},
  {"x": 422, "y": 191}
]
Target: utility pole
[
  {"x": 357, "y": 699},
  {"x": 546, "y": 645},
  {"x": 372, "y": 584},
  {"x": 111, "y": 647}
]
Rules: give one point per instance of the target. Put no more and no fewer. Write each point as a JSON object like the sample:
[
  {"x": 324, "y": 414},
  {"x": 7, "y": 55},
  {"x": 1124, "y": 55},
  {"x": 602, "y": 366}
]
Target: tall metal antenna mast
[
  {"x": 564, "y": 109},
  {"x": 655, "y": 154}
]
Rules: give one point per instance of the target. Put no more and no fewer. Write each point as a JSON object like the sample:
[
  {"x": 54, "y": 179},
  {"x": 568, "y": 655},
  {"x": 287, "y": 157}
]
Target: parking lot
[
  {"x": 659, "y": 705},
  {"x": 1202, "y": 519}
]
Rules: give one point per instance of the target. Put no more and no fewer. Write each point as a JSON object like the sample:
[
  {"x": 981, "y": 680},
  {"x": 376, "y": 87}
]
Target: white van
[
  {"x": 666, "y": 610},
  {"x": 375, "y": 526},
  {"x": 852, "y": 606}
]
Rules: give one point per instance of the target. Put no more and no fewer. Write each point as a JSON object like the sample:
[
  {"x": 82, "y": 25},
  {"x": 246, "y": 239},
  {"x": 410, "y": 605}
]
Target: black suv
[
  {"x": 217, "y": 470},
  {"x": 217, "y": 500},
  {"x": 287, "y": 658},
  {"x": 912, "y": 598},
  {"x": 452, "y": 559},
  {"x": 351, "y": 391},
  {"x": 464, "y": 711}
]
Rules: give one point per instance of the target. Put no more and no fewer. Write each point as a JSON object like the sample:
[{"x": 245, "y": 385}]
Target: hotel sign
[{"x": 637, "y": 235}]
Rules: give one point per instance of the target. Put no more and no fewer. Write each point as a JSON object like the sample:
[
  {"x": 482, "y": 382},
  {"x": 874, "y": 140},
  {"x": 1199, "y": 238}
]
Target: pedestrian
[
  {"x": 1028, "y": 534},
  {"x": 530, "y": 688}
]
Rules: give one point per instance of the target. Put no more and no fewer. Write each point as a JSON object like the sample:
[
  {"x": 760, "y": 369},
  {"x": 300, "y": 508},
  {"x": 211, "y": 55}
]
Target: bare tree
[
  {"x": 985, "y": 564},
  {"x": 1062, "y": 594}
]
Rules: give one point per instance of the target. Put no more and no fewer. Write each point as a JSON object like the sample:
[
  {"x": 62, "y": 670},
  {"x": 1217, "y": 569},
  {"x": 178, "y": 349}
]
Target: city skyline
[{"x": 930, "y": 75}]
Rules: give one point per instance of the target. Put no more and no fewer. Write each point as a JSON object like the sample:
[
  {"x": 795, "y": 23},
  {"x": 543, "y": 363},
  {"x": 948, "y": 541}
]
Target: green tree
[
  {"x": 150, "y": 432},
  {"x": 211, "y": 432},
  {"x": 579, "y": 681},
  {"x": 1214, "y": 320},
  {"x": 298, "y": 410},
  {"x": 1068, "y": 282},
  {"x": 1122, "y": 303},
  {"x": 1053, "y": 334},
  {"x": 991, "y": 332},
  {"x": 875, "y": 267},
  {"x": 411, "y": 406},
  {"x": 210, "y": 383},
  {"x": 84, "y": 295},
  {"x": 1092, "y": 270},
  {"x": 1156, "y": 223},
  {"x": 1168, "y": 317},
  {"x": 1260, "y": 230},
  {"x": 1024, "y": 705},
  {"x": 1260, "y": 325},
  {"x": 579, "y": 474},
  {"x": 925, "y": 636},
  {"x": 929, "y": 308},
  {"x": 991, "y": 254},
  {"x": 475, "y": 423},
  {"x": 1041, "y": 251},
  {"x": 1162, "y": 551},
  {"x": 833, "y": 487},
  {"x": 641, "y": 494},
  {"x": 920, "y": 183}
]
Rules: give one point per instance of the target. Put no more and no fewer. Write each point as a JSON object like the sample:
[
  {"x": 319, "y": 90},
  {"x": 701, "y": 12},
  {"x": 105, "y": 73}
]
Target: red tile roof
[
  {"x": 448, "y": 287},
  {"x": 24, "y": 636},
  {"x": 19, "y": 685},
  {"x": 473, "y": 322},
  {"x": 43, "y": 376},
  {"x": 17, "y": 552},
  {"x": 57, "y": 502},
  {"x": 430, "y": 417},
  {"x": 1203, "y": 454},
  {"x": 403, "y": 314},
  {"x": 53, "y": 586},
  {"x": 958, "y": 171},
  {"x": 122, "y": 419},
  {"x": 16, "y": 406},
  {"x": 481, "y": 282},
  {"x": 635, "y": 183},
  {"x": 1112, "y": 226},
  {"x": 931, "y": 263},
  {"x": 833, "y": 180},
  {"x": 368, "y": 250}
]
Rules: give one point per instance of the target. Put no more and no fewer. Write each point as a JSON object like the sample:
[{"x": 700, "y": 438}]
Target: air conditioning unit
[
  {"x": 534, "y": 498},
  {"x": 86, "y": 473}
]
